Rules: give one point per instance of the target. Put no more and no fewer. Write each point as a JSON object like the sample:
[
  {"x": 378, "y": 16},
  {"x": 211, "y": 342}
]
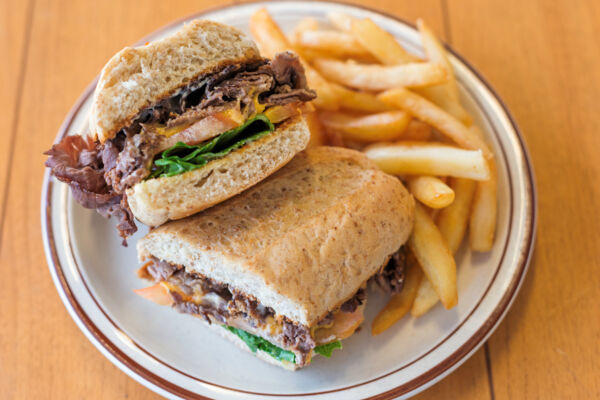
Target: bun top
[
  {"x": 138, "y": 77},
  {"x": 302, "y": 241}
]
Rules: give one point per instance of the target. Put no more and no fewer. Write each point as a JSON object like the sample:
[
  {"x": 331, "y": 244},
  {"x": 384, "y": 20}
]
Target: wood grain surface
[
  {"x": 15, "y": 19},
  {"x": 542, "y": 57}
]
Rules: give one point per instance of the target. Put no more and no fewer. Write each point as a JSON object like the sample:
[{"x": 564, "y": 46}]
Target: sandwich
[
  {"x": 183, "y": 123},
  {"x": 281, "y": 269}
]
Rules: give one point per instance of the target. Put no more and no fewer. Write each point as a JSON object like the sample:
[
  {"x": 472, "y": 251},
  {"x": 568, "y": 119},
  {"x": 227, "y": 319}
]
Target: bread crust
[
  {"x": 158, "y": 200},
  {"x": 138, "y": 77},
  {"x": 302, "y": 241}
]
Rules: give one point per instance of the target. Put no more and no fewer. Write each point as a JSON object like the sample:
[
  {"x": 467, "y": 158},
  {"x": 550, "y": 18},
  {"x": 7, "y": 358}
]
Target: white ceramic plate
[{"x": 174, "y": 355}]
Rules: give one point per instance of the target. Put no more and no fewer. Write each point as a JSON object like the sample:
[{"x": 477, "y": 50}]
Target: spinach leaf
[
  {"x": 257, "y": 343},
  {"x": 327, "y": 349},
  {"x": 182, "y": 157}
]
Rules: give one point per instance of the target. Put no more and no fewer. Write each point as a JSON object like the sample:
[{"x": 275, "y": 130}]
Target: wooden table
[{"x": 543, "y": 58}]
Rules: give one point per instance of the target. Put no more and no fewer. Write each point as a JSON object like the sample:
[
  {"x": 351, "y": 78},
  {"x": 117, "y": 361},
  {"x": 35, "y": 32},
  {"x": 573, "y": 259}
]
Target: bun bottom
[
  {"x": 159, "y": 200},
  {"x": 224, "y": 333}
]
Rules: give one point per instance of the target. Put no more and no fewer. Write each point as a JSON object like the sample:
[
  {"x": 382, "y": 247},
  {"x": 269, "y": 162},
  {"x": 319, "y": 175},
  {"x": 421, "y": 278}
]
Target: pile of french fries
[{"x": 405, "y": 114}]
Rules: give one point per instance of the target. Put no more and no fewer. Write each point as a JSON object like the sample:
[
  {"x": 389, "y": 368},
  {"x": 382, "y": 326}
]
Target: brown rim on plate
[{"x": 445, "y": 366}]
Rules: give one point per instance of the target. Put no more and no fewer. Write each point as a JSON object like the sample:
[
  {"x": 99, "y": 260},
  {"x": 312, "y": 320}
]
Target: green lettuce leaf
[
  {"x": 327, "y": 349},
  {"x": 257, "y": 343},
  {"x": 182, "y": 157}
]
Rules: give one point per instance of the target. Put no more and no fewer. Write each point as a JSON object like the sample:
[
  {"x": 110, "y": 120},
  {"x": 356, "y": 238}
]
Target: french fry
[
  {"x": 436, "y": 52},
  {"x": 332, "y": 42},
  {"x": 400, "y": 304},
  {"x": 417, "y": 131},
  {"x": 439, "y": 96},
  {"x": 422, "y": 158},
  {"x": 444, "y": 95},
  {"x": 432, "y": 253},
  {"x": 358, "y": 101},
  {"x": 431, "y": 191},
  {"x": 428, "y": 112},
  {"x": 332, "y": 137},
  {"x": 380, "y": 43},
  {"x": 380, "y": 77},
  {"x": 385, "y": 126},
  {"x": 425, "y": 299},
  {"x": 271, "y": 40},
  {"x": 433, "y": 212},
  {"x": 482, "y": 224},
  {"x": 452, "y": 221},
  {"x": 426, "y": 296},
  {"x": 341, "y": 21},
  {"x": 317, "y": 132},
  {"x": 304, "y": 25},
  {"x": 326, "y": 98},
  {"x": 311, "y": 54}
]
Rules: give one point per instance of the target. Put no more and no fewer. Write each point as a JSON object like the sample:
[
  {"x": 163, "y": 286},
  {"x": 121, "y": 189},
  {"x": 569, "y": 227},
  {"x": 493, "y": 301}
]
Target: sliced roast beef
[
  {"x": 291, "y": 81},
  {"x": 288, "y": 72},
  {"x": 250, "y": 307},
  {"x": 234, "y": 304},
  {"x": 357, "y": 300},
  {"x": 242, "y": 88},
  {"x": 205, "y": 311},
  {"x": 129, "y": 158},
  {"x": 278, "y": 82},
  {"x": 297, "y": 337},
  {"x": 391, "y": 277},
  {"x": 77, "y": 160},
  {"x": 122, "y": 212},
  {"x": 161, "y": 270},
  {"x": 99, "y": 174}
]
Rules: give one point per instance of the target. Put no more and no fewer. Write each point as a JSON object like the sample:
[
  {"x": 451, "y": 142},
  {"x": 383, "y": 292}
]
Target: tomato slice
[
  {"x": 156, "y": 293},
  {"x": 205, "y": 129}
]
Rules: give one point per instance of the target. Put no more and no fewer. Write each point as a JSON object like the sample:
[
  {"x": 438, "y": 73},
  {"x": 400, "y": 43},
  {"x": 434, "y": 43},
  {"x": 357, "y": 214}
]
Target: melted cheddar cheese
[{"x": 170, "y": 131}]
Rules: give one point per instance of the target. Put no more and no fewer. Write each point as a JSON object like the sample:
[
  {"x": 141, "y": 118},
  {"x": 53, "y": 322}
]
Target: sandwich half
[
  {"x": 183, "y": 123},
  {"x": 281, "y": 269}
]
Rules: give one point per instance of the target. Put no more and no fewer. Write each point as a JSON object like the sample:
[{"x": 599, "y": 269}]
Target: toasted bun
[
  {"x": 224, "y": 333},
  {"x": 302, "y": 241},
  {"x": 156, "y": 201},
  {"x": 136, "y": 78}
]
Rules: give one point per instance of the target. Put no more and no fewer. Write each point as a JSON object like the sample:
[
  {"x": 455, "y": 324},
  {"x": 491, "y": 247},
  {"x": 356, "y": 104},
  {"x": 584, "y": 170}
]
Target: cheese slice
[
  {"x": 343, "y": 326},
  {"x": 170, "y": 131}
]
